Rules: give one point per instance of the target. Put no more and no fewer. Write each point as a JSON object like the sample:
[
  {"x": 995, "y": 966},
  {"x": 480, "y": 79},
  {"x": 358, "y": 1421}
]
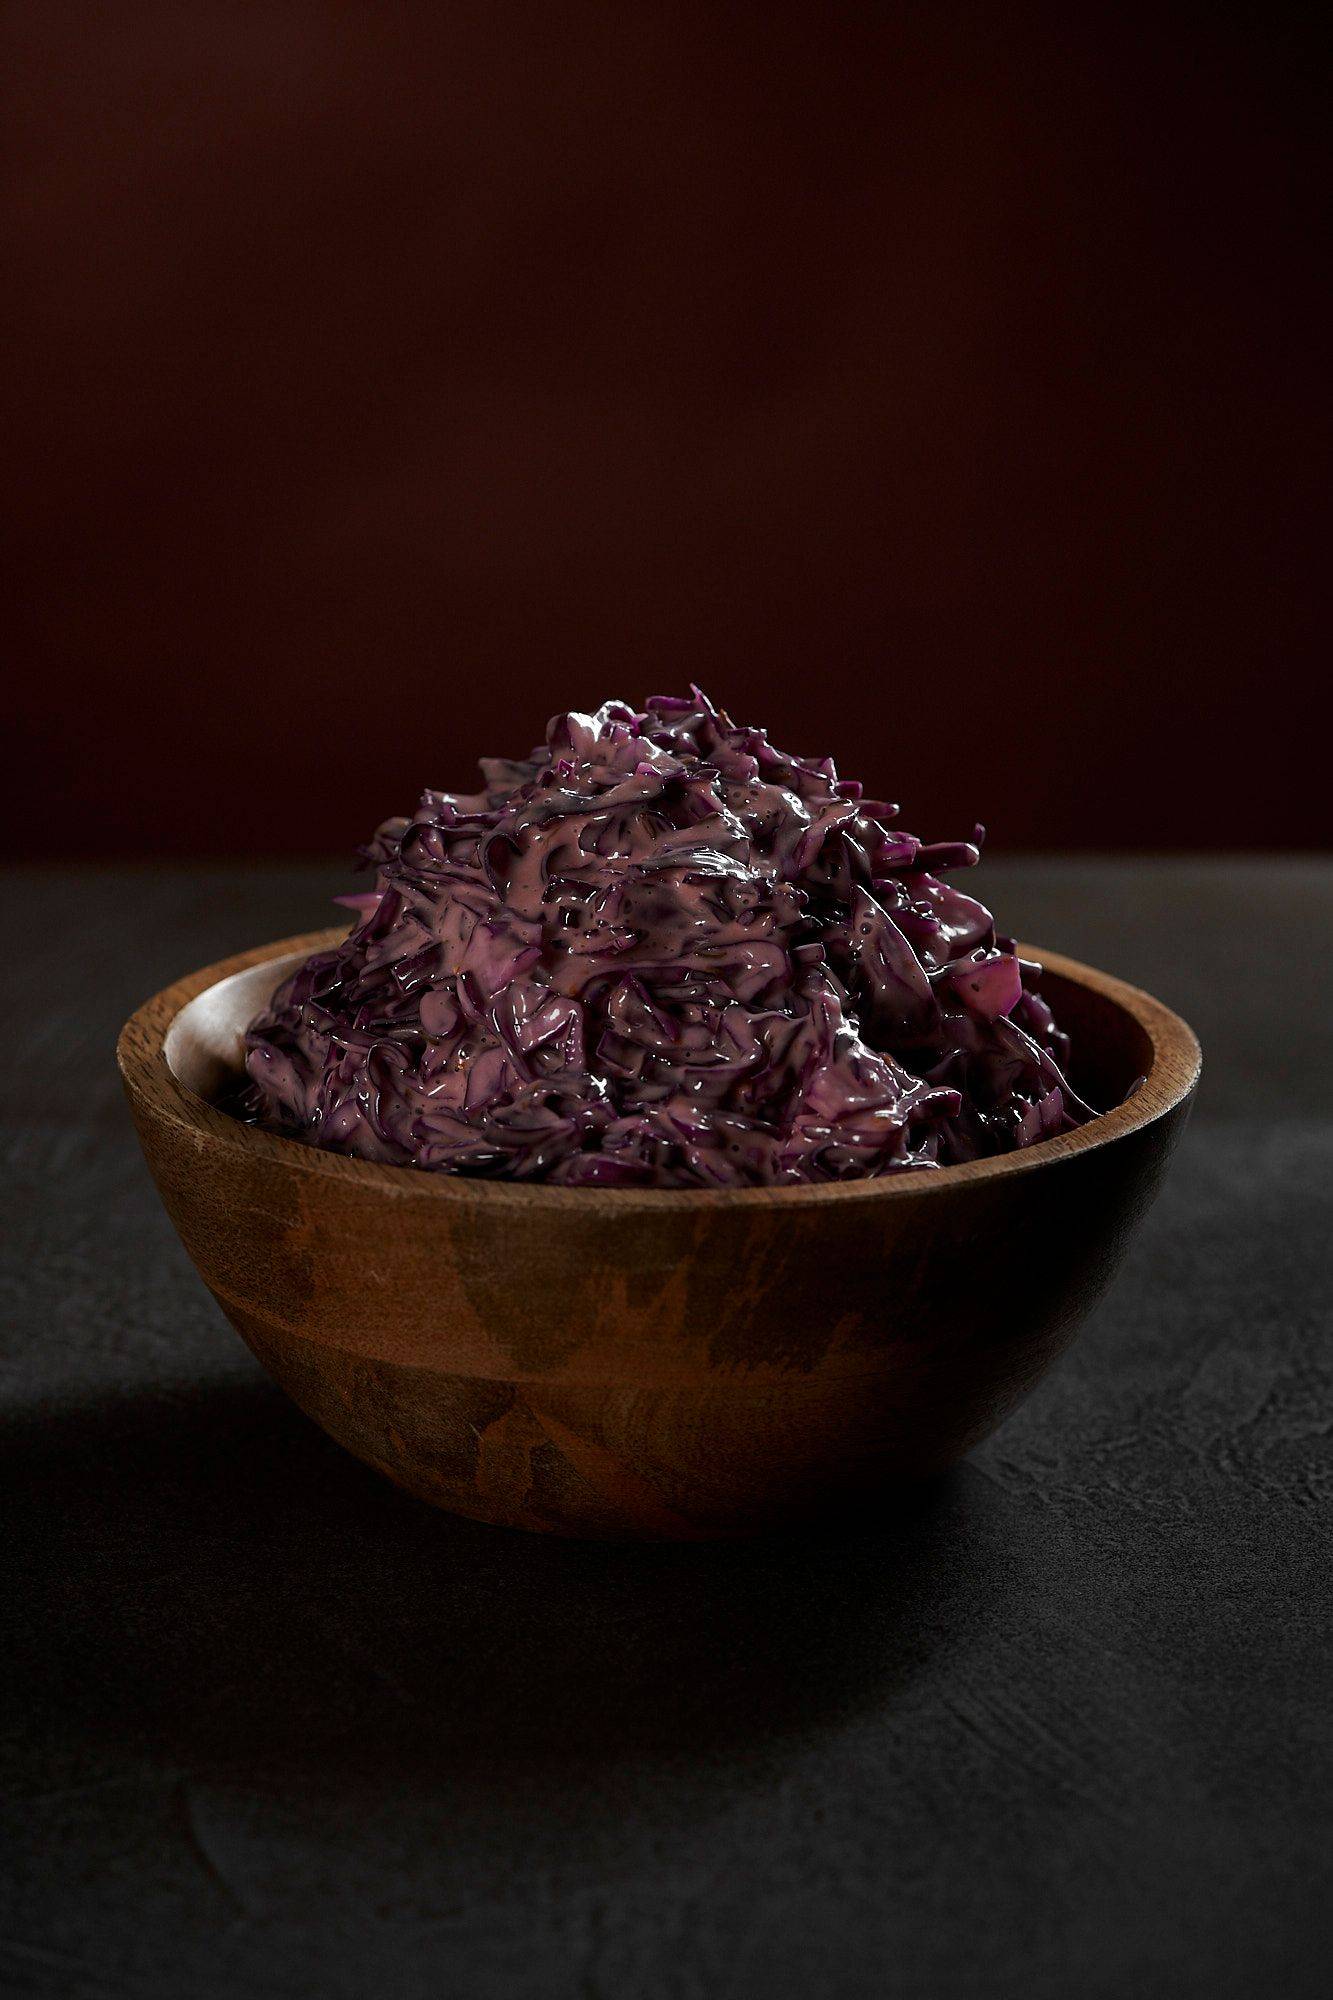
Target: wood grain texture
[{"x": 664, "y": 1364}]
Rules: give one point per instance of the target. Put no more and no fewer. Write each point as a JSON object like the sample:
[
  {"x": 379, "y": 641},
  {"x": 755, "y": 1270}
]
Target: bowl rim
[{"x": 1172, "y": 1076}]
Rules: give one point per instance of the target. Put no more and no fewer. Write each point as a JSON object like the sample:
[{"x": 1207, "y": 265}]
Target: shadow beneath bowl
[{"x": 205, "y": 1574}]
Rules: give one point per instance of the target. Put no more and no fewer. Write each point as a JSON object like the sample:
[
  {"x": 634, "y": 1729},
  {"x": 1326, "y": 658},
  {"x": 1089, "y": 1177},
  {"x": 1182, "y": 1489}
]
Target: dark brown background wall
[{"x": 941, "y": 386}]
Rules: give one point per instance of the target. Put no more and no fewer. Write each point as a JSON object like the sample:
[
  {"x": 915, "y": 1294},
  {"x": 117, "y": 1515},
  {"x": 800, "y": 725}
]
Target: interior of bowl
[
  {"x": 205, "y": 1044},
  {"x": 1110, "y": 1049}
]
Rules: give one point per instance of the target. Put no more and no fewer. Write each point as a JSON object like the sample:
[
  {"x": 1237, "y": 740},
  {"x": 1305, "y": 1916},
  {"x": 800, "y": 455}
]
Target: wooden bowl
[{"x": 603, "y": 1361}]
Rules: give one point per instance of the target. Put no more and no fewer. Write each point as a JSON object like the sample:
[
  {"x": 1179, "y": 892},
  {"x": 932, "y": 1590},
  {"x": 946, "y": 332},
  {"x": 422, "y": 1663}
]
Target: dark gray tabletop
[{"x": 1057, "y": 1727}]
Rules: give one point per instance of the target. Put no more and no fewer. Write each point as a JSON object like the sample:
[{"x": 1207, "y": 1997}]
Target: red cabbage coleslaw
[{"x": 659, "y": 952}]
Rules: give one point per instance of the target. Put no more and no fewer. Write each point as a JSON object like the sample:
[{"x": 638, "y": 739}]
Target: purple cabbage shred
[{"x": 659, "y": 952}]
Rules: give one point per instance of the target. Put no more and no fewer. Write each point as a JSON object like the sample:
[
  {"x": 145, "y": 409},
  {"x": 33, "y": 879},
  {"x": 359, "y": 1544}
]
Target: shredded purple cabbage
[{"x": 661, "y": 953}]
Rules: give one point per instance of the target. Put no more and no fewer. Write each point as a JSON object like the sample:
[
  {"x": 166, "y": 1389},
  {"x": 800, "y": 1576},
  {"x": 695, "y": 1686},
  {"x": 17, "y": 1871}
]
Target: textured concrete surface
[{"x": 1057, "y": 1726}]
